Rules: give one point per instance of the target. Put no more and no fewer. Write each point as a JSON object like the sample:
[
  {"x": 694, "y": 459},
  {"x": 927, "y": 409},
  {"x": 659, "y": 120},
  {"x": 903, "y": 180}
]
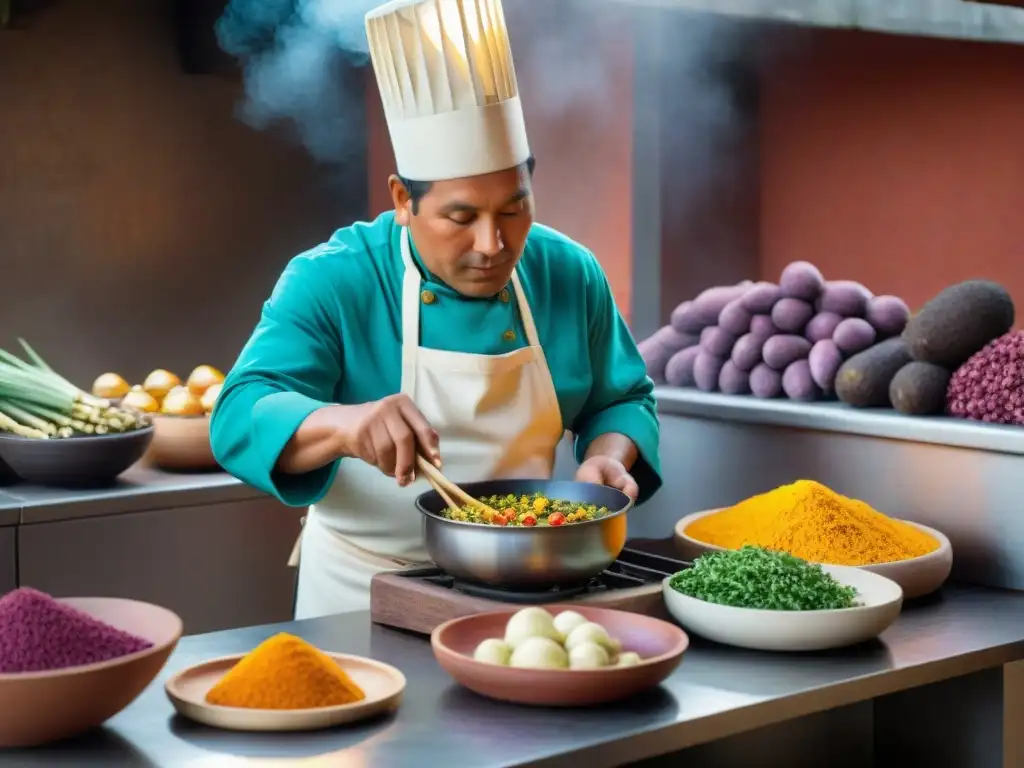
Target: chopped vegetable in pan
[{"x": 529, "y": 510}]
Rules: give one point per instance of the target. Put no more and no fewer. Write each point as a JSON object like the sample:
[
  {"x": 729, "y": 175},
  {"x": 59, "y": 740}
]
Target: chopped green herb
[{"x": 753, "y": 577}]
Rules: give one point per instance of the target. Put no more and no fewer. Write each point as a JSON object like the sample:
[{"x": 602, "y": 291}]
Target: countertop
[
  {"x": 139, "y": 489},
  {"x": 838, "y": 417},
  {"x": 715, "y": 692},
  {"x": 921, "y": 18}
]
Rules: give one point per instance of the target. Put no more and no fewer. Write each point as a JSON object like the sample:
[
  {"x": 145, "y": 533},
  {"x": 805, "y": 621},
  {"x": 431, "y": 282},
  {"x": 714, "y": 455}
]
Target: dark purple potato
[
  {"x": 679, "y": 371},
  {"x": 709, "y": 303},
  {"x": 854, "y": 335},
  {"x": 844, "y": 297},
  {"x": 674, "y": 340},
  {"x": 797, "y": 382},
  {"x": 824, "y": 361},
  {"x": 764, "y": 382},
  {"x": 801, "y": 280},
  {"x": 762, "y": 327},
  {"x": 717, "y": 341},
  {"x": 780, "y": 351},
  {"x": 733, "y": 381},
  {"x": 746, "y": 352},
  {"x": 761, "y": 297},
  {"x": 734, "y": 318},
  {"x": 888, "y": 315},
  {"x": 822, "y": 326},
  {"x": 706, "y": 370},
  {"x": 791, "y": 315}
]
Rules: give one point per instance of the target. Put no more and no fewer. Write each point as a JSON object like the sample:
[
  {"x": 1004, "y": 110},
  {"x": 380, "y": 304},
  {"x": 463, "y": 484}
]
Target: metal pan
[{"x": 527, "y": 559}]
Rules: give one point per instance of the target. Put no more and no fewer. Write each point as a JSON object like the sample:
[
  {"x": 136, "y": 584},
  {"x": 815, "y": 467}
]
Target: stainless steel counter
[
  {"x": 837, "y": 417},
  {"x": 717, "y": 692},
  {"x": 139, "y": 489},
  {"x": 961, "y": 477}
]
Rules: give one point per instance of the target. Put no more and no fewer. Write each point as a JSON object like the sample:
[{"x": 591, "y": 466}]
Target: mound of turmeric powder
[
  {"x": 814, "y": 523},
  {"x": 285, "y": 672}
]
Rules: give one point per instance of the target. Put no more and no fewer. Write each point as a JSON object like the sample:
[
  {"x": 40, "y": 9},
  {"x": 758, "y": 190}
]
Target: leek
[{"x": 37, "y": 402}]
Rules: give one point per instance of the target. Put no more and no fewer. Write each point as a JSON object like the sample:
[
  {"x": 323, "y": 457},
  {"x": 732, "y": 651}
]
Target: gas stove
[{"x": 420, "y": 598}]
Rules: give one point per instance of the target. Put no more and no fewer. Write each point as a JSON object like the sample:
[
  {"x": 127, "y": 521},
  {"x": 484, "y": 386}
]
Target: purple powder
[
  {"x": 38, "y": 633},
  {"x": 990, "y": 385}
]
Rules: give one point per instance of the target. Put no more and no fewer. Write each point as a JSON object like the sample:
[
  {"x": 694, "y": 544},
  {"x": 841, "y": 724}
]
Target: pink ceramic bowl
[
  {"x": 661, "y": 646},
  {"x": 40, "y": 707}
]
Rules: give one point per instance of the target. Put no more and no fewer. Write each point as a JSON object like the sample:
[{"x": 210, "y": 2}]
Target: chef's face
[{"x": 470, "y": 232}]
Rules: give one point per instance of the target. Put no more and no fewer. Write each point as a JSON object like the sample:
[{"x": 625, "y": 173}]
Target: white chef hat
[{"x": 446, "y": 78}]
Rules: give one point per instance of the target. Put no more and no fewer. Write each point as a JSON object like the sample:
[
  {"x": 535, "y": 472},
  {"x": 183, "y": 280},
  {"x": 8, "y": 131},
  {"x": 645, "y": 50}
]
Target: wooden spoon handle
[{"x": 439, "y": 481}]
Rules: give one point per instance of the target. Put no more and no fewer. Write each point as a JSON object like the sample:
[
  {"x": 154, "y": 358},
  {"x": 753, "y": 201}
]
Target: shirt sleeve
[
  {"x": 621, "y": 398},
  {"x": 289, "y": 368}
]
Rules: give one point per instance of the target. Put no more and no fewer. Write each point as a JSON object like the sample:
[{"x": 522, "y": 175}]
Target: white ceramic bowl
[
  {"x": 917, "y": 577},
  {"x": 761, "y": 630}
]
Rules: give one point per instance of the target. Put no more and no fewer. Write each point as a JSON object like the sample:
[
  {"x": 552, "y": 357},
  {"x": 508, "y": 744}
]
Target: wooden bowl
[
  {"x": 181, "y": 444},
  {"x": 917, "y": 577},
  {"x": 661, "y": 646},
  {"x": 41, "y": 707},
  {"x": 74, "y": 462}
]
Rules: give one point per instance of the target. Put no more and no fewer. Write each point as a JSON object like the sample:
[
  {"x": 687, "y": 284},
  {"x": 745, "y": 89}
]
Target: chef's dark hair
[{"x": 418, "y": 189}]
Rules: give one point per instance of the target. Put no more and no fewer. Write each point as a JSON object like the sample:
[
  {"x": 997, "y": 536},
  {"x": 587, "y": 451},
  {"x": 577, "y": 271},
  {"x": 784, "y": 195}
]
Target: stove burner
[
  {"x": 517, "y": 596},
  {"x": 634, "y": 568}
]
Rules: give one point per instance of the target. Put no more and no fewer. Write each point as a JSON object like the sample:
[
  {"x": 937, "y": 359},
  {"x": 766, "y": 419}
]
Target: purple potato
[
  {"x": 888, "y": 315},
  {"x": 822, "y": 326},
  {"x": 761, "y": 297},
  {"x": 780, "y": 351},
  {"x": 658, "y": 348},
  {"x": 679, "y": 371},
  {"x": 684, "y": 319},
  {"x": 824, "y": 361},
  {"x": 706, "y": 370},
  {"x": 844, "y": 297},
  {"x": 797, "y": 382},
  {"x": 801, "y": 280},
  {"x": 746, "y": 352},
  {"x": 709, "y": 303},
  {"x": 764, "y": 382},
  {"x": 762, "y": 327},
  {"x": 854, "y": 335},
  {"x": 732, "y": 380},
  {"x": 791, "y": 315},
  {"x": 734, "y": 318},
  {"x": 717, "y": 341}
]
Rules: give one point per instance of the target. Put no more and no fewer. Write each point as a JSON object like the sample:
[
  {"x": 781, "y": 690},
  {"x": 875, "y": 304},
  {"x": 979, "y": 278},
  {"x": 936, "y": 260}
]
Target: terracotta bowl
[
  {"x": 917, "y": 577},
  {"x": 661, "y": 646},
  {"x": 75, "y": 462},
  {"x": 41, "y": 707},
  {"x": 181, "y": 444}
]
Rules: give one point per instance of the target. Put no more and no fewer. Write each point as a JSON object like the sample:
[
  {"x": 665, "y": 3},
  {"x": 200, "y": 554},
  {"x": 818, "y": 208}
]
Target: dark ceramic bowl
[
  {"x": 7, "y": 475},
  {"x": 74, "y": 462}
]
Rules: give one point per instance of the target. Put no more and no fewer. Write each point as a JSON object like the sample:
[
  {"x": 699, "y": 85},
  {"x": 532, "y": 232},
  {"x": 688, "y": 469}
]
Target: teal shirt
[{"x": 331, "y": 333}]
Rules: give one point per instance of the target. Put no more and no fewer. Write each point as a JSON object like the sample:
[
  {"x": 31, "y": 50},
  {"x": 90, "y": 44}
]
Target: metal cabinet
[{"x": 219, "y": 566}]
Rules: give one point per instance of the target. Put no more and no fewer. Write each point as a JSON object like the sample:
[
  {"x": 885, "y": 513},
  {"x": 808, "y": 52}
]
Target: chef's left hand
[{"x": 607, "y": 471}]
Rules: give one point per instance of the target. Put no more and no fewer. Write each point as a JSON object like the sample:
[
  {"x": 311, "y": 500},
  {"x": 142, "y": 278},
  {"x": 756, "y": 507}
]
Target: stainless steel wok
[{"x": 526, "y": 559}]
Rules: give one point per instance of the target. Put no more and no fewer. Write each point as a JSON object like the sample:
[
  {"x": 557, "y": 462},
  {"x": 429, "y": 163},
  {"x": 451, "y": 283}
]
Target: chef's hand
[
  {"x": 604, "y": 470},
  {"x": 388, "y": 433}
]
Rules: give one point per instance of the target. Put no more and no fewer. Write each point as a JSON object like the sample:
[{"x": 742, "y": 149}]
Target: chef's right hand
[{"x": 388, "y": 433}]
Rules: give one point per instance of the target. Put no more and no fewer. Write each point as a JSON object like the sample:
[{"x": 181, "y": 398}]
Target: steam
[{"x": 302, "y": 62}]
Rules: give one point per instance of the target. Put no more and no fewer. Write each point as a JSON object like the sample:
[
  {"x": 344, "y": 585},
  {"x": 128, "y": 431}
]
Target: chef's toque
[{"x": 447, "y": 81}]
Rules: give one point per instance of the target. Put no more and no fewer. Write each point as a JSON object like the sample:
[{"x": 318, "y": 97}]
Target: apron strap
[{"x": 410, "y": 317}]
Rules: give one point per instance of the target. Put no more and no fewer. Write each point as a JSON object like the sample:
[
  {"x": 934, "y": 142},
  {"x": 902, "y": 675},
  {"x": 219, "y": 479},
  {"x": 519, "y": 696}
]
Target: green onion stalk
[{"x": 37, "y": 402}]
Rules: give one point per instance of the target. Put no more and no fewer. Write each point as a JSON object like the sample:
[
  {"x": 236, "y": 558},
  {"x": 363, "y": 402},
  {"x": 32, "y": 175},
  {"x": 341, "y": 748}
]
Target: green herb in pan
[{"x": 753, "y": 577}]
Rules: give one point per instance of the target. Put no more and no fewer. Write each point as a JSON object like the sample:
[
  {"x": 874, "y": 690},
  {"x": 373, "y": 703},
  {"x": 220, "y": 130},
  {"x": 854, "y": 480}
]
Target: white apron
[{"x": 496, "y": 415}]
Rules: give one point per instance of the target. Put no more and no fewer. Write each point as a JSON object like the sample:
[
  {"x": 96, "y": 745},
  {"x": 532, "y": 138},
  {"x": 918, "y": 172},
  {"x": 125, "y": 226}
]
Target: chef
[{"x": 453, "y": 326}]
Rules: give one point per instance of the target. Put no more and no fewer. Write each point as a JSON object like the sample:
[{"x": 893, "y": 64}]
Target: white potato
[
  {"x": 493, "y": 651},
  {"x": 539, "y": 653},
  {"x": 588, "y": 656},
  {"x": 531, "y": 622},
  {"x": 567, "y": 621},
  {"x": 628, "y": 659}
]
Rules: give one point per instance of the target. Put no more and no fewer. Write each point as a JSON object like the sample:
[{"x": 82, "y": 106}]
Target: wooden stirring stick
[{"x": 449, "y": 491}]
